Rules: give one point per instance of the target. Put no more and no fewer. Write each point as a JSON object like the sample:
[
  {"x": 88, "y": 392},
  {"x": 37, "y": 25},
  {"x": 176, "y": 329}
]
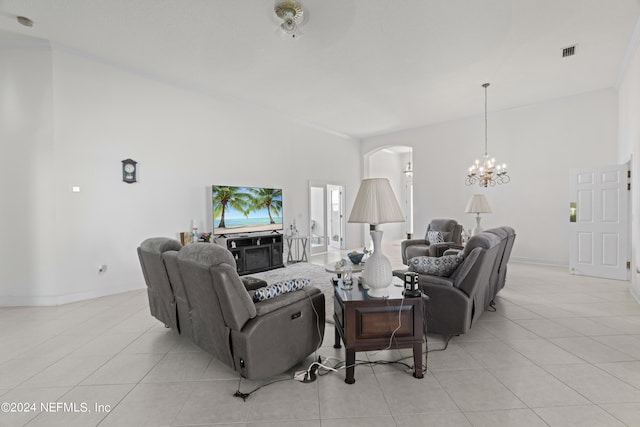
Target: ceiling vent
[{"x": 569, "y": 51}]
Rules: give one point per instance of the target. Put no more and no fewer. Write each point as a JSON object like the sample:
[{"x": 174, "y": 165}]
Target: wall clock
[{"x": 129, "y": 171}]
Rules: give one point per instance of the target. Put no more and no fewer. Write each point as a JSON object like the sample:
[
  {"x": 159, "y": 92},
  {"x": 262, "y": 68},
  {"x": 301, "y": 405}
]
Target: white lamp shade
[
  {"x": 478, "y": 204},
  {"x": 376, "y": 203}
]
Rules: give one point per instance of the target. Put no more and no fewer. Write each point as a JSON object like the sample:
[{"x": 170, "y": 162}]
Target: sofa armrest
[
  {"x": 448, "y": 311},
  {"x": 273, "y": 304},
  {"x": 252, "y": 283},
  {"x": 452, "y": 251},
  {"x": 426, "y": 279},
  {"x": 411, "y": 242},
  {"x": 438, "y": 249}
]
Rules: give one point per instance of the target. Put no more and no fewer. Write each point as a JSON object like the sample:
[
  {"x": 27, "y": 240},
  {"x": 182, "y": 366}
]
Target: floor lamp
[{"x": 376, "y": 204}]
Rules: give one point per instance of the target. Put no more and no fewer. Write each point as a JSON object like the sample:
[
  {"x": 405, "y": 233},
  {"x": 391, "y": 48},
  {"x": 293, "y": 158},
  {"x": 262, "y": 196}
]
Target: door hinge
[
  {"x": 628, "y": 174},
  {"x": 629, "y": 186},
  {"x": 628, "y": 265}
]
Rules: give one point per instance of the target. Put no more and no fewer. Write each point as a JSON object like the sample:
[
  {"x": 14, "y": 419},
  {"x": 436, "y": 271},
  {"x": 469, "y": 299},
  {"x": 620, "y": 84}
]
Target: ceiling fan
[{"x": 291, "y": 14}]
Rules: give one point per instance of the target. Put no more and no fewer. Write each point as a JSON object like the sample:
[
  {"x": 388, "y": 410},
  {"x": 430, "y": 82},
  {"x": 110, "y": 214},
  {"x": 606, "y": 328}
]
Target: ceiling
[{"x": 359, "y": 67}]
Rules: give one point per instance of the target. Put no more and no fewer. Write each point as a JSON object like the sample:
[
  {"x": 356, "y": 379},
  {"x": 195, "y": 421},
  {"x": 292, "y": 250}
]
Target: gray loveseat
[{"x": 456, "y": 302}]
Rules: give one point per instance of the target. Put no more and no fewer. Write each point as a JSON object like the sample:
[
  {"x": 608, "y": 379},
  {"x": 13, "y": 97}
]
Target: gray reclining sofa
[
  {"x": 457, "y": 301},
  {"x": 258, "y": 340}
]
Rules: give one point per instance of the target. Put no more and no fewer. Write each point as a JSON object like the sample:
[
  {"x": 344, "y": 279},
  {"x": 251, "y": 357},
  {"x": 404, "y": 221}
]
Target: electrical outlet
[{"x": 102, "y": 268}]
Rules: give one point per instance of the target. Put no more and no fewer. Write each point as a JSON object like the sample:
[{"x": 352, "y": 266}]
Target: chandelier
[{"x": 487, "y": 173}]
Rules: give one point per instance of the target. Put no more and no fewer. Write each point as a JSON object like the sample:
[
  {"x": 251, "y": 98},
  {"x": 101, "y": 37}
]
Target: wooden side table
[{"x": 365, "y": 323}]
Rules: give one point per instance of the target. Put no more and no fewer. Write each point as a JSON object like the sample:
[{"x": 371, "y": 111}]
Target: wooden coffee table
[{"x": 364, "y": 323}]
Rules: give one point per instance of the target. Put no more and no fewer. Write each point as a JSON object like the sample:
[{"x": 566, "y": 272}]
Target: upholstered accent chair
[
  {"x": 162, "y": 302},
  {"x": 450, "y": 233},
  {"x": 258, "y": 340}
]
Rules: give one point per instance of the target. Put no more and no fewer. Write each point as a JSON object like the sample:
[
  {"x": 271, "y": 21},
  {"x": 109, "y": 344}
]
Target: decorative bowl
[{"x": 355, "y": 258}]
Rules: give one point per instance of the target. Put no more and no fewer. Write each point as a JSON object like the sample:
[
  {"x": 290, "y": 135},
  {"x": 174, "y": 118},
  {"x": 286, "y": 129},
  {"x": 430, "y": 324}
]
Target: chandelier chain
[{"x": 486, "y": 153}]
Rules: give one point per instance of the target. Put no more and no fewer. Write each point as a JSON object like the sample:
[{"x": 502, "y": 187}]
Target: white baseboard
[
  {"x": 52, "y": 300},
  {"x": 539, "y": 261}
]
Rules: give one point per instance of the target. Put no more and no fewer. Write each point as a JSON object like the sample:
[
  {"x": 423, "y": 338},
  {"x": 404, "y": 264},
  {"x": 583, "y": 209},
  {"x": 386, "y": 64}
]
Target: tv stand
[{"x": 254, "y": 253}]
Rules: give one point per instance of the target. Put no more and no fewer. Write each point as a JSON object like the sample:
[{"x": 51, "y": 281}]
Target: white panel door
[
  {"x": 336, "y": 216},
  {"x": 599, "y": 224}
]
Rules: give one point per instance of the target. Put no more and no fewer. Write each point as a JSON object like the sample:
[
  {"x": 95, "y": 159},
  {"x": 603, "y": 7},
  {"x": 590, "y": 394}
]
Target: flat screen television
[{"x": 246, "y": 209}]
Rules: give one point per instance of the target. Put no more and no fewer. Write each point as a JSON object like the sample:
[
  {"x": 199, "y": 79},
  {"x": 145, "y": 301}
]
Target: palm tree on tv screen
[
  {"x": 267, "y": 198},
  {"x": 228, "y": 196}
]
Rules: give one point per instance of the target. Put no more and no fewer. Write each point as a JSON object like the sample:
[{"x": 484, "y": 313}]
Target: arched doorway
[{"x": 396, "y": 164}]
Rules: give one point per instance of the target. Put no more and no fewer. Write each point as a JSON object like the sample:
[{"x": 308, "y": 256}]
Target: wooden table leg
[
  {"x": 351, "y": 362},
  {"x": 337, "y": 337},
  {"x": 417, "y": 361}
]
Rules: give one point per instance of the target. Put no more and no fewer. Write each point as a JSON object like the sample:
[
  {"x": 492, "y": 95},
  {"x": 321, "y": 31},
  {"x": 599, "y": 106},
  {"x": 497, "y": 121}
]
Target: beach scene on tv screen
[{"x": 246, "y": 209}]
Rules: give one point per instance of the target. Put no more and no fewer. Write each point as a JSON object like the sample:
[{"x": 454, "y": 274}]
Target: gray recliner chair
[
  {"x": 422, "y": 247},
  {"x": 162, "y": 302},
  {"x": 457, "y": 301},
  {"x": 258, "y": 340}
]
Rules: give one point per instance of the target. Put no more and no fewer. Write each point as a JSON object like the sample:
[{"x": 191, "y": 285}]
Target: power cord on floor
[
  {"x": 245, "y": 396},
  {"x": 307, "y": 376}
]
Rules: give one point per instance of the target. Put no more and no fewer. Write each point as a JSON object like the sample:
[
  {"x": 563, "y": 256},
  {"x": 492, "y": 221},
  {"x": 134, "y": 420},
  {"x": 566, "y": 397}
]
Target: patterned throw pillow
[
  {"x": 442, "y": 266},
  {"x": 279, "y": 288},
  {"x": 435, "y": 237}
]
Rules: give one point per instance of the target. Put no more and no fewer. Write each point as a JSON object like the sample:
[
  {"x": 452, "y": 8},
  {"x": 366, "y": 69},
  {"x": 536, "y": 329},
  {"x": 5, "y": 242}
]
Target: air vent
[{"x": 569, "y": 51}]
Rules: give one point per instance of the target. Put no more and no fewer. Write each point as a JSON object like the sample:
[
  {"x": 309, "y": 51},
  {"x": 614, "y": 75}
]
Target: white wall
[
  {"x": 183, "y": 140},
  {"x": 629, "y": 147},
  {"x": 386, "y": 164},
  {"x": 27, "y": 214},
  {"x": 539, "y": 143}
]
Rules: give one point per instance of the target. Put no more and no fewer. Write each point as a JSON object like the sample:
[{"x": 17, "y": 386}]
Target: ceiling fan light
[
  {"x": 289, "y": 26},
  {"x": 291, "y": 14}
]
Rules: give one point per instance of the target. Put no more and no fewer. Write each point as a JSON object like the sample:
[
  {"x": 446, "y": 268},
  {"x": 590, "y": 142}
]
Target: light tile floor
[{"x": 560, "y": 350}]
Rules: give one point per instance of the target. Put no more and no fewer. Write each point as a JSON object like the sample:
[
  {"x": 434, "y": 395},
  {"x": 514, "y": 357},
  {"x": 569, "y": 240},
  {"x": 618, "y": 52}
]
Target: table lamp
[
  {"x": 478, "y": 204},
  {"x": 376, "y": 204}
]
